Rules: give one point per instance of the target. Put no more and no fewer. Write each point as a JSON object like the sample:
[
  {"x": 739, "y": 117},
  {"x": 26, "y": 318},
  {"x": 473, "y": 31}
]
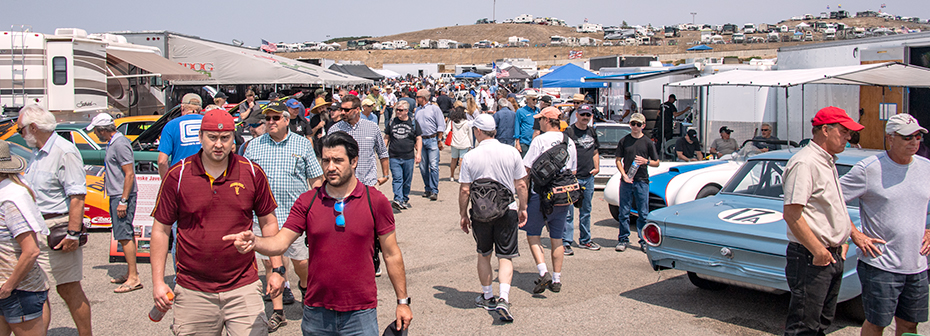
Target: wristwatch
[
  {"x": 280, "y": 270},
  {"x": 386, "y": 176},
  {"x": 404, "y": 301},
  {"x": 123, "y": 201}
]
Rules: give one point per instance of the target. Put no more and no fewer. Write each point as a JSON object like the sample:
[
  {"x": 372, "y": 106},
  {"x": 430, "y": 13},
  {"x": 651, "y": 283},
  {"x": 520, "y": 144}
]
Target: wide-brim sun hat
[{"x": 9, "y": 163}]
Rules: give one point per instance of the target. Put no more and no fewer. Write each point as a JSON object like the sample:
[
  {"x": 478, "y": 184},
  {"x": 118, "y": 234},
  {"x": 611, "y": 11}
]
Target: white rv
[
  {"x": 557, "y": 40},
  {"x": 705, "y": 35},
  {"x": 749, "y": 28},
  {"x": 525, "y": 18},
  {"x": 739, "y": 38},
  {"x": 76, "y": 75},
  {"x": 425, "y": 44},
  {"x": 400, "y": 44},
  {"x": 829, "y": 34},
  {"x": 589, "y": 28}
]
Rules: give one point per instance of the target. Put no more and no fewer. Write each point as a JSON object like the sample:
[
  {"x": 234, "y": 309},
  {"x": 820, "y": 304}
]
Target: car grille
[{"x": 656, "y": 202}]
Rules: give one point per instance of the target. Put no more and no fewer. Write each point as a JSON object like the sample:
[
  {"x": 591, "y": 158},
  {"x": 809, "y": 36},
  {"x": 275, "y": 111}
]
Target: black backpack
[
  {"x": 554, "y": 186},
  {"x": 489, "y": 199}
]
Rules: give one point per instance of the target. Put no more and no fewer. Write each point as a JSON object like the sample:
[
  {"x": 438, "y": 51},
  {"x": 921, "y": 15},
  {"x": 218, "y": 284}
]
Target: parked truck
[
  {"x": 671, "y": 32},
  {"x": 728, "y": 29}
]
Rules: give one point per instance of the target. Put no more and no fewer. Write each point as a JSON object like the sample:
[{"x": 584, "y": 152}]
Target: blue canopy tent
[
  {"x": 567, "y": 76},
  {"x": 700, "y": 48},
  {"x": 468, "y": 75}
]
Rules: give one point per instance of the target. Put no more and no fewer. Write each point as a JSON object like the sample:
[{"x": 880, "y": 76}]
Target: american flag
[
  {"x": 575, "y": 54},
  {"x": 269, "y": 47}
]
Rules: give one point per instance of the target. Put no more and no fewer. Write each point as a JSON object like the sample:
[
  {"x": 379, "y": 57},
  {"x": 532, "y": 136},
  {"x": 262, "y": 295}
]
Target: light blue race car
[{"x": 738, "y": 237}]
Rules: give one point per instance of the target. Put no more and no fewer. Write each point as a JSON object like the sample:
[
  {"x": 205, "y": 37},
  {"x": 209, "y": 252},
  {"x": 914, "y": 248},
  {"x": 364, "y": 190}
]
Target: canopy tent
[
  {"x": 638, "y": 76},
  {"x": 153, "y": 62},
  {"x": 387, "y": 73},
  {"x": 515, "y": 73},
  {"x": 700, "y": 48},
  {"x": 893, "y": 74},
  {"x": 228, "y": 64},
  {"x": 357, "y": 70},
  {"x": 881, "y": 74},
  {"x": 567, "y": 76},
  {"x": 468, "y": 75}
]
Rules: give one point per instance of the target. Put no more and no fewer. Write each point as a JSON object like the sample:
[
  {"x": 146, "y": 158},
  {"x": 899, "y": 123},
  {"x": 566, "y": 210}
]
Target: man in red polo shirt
[
  {"x": 341, "y": 219},
  {"x": 210, "y": 195}
]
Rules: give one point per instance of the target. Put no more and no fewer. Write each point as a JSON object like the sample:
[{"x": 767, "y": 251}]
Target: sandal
[
  {"x": 126, "y": 288},
  {"x": 119, "y": 280}
]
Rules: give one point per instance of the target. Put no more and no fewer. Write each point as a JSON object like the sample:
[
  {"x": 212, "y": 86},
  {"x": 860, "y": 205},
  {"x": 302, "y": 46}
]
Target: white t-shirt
[
  {"x": 547, "y": 140},
  {"x": 494, "y": 160}
]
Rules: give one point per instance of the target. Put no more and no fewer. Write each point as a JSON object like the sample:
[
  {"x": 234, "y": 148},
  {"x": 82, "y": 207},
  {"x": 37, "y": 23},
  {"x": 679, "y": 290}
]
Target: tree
[{"x": 624, "y": 24}]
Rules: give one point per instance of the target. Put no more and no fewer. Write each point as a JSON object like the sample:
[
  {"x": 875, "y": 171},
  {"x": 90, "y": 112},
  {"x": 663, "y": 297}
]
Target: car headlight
[{"x": 652, "y": 234}]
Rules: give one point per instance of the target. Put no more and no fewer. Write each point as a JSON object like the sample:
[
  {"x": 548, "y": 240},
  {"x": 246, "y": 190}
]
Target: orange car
[{"x": 131, "y": 127}]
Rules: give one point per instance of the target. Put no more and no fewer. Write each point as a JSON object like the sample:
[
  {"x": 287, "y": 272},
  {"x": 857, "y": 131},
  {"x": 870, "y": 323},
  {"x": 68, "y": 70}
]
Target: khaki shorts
[
  {"x": 240, "y": 312},
  {"x": 60, "y": 267},
  {"x": 297, "y": 251}
]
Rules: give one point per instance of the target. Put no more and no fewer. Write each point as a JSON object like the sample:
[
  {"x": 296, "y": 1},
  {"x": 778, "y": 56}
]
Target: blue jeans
[
  {"x": 637, "y": 192},
  {"x": 402, "y": 174},
  {"x": 584, "y": 216},
  {"x": 429, "y": 165},
  {"x": 322, "y": 321}
]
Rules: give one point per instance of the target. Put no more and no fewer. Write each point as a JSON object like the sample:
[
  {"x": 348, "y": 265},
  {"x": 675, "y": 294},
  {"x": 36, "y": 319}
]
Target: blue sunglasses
[{"x": 341, "y": 219}]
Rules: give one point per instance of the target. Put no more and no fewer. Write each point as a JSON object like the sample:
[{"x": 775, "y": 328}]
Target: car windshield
[
  {"x": 135, "y": 128},
  {"x": 765, "y": 178},
  {"x": 610, "y": 136}
]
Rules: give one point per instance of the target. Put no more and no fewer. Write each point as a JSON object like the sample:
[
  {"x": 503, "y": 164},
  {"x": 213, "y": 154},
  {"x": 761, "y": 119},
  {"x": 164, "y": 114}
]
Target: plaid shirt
[
  {"x": 288, "y": 165},
  {"x": 371, "y": 148}
]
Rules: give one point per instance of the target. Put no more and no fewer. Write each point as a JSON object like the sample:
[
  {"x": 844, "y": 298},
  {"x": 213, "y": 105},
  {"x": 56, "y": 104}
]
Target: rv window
[{"x": 59, "y": 70}]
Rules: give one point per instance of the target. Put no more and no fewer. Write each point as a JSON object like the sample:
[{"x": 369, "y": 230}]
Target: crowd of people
[{"x": 305, "y": 185}]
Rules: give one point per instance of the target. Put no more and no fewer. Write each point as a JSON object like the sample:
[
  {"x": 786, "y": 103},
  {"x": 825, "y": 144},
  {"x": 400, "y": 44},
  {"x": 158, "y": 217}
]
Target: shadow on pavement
[
  {"x": 456, "y": 298},
  {"x": 114, "y": 270},
  {"x": 62, "y": 331},
  {"x": 748, "y": 308}
]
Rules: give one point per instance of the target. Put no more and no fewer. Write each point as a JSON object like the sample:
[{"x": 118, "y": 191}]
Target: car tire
[
  {"x": 707, "y": 191},
  {"x": 705, "y": 284},
  {"x": 614, "y": 212}
]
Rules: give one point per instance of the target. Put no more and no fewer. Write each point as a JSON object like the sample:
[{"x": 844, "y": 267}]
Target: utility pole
[
  {"x": 692, "y": 17},
  {"x": 494, "y": 12}
]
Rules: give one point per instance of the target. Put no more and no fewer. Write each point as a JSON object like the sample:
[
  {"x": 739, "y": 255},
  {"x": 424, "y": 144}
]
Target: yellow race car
[{"x": 131, "y": 127}]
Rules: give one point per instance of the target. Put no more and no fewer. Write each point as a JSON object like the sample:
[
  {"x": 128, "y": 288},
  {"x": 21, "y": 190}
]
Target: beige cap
[{"x": 638, "y": 117}]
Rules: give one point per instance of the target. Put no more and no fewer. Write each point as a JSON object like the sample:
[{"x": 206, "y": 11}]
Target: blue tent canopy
[
  {"x": 468, "y": 75},
  {"x": 567, "y": 76},
  {"x": 699, "y": 48}
]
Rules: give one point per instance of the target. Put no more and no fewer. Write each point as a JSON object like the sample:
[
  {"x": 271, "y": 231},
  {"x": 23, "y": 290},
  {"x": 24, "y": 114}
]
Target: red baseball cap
[
  {"x": 218, "y": 120},
  {"x": 835, "y": 115}
]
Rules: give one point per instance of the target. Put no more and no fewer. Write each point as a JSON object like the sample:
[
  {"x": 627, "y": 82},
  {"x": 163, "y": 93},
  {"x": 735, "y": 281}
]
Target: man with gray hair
[
  {"x": 505, "y": 119},
  {"x": 431, "y": 121},
  {"x": 892, "y": 191},
  {"x": 120, "y": 185},
  {"x": 56, "y": 176}
]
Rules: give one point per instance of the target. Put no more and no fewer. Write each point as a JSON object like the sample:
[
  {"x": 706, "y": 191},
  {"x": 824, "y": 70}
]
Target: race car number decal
[{"x": 750, "y": 216}]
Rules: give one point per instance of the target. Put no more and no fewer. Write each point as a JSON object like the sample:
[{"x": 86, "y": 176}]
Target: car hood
[
  {"x": 658, "y": 182},
  {"x": 735, "y": 221}
]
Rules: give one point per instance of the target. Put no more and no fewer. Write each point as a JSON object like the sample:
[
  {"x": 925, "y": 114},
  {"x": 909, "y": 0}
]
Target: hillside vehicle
[
  {"x": 557, "y": 40},
  {"x": 524, "y": 18},
  {"x": 738, "y": 237},
  {"x": 672, "y": 32},
  {"x": 749, "y": 28},
  {"x": 589, "y": 28},
  {"x": 706, "y": 35},
  {"x": 829, "y": 34},
  {"x": 773, "y": 37},
  {"x": 739, "y": 38},
  {"x": 729, "y": 29}
]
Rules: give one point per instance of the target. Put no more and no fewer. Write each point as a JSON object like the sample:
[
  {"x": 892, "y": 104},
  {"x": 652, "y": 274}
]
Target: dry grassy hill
[{"x": 492, "y": 32}]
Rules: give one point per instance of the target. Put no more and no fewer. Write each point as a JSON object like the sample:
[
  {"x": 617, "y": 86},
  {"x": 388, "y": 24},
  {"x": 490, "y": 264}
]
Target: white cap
[
  {"x": 101, "y": 119},
  {"x": 484, "y": 122},
  {"x": 531, "y": 94},
  {"x": 903, "y": 124}
]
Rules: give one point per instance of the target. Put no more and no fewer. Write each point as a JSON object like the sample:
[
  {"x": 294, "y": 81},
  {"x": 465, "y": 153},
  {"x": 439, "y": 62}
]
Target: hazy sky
[{"x": 298, "y": 21}]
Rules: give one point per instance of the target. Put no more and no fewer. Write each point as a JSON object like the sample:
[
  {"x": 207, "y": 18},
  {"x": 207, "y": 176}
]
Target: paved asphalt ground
[{"x": 604, "y": 292}]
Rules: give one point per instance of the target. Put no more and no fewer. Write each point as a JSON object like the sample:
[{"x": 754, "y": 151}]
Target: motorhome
[
  {"x": 425, "y": 43},
  {"x": 671, "y": 32},
  {"x": 447, "y": 44},
  {"x": 589, "y": 28},
  {"x": 808, "y": 17},
  {"x": 829, "y": 34},
  {"x": 808, "y": 36},
  {"x": 716, "y": 39},
  {"x": 75, "y": 75},
  {"x": 729, "y": 29},
  {"x": 783, "y": 29},
  {"x": 749, "y": 28},
  {"x": 705, "y": 35},
  {"x": 525, "y": 18},
  {"x": 587, "y": 41},
  {"x": 824, "y": 15},
  {"x": 400, "y": 44},
  {"x": 557, "y": 40},
  {"x": 773, "y": 37},
  {"x": 739, "y": 38}
]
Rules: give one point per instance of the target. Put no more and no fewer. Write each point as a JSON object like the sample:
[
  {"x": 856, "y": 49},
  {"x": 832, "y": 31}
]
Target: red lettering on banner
[{"x": 208, "y": 66}]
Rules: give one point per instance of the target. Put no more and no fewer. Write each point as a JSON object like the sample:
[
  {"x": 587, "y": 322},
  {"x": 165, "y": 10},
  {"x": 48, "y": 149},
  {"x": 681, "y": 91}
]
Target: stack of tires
[{"x": 651, "y": 109}]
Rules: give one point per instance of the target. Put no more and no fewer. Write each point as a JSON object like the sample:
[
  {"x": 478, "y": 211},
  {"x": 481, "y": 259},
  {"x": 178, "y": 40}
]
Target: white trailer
[{"x": 524, "y": 18}]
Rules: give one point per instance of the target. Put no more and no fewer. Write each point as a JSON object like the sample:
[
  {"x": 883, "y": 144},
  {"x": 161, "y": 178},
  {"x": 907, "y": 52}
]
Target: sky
[{"x": 298, "y": 21}]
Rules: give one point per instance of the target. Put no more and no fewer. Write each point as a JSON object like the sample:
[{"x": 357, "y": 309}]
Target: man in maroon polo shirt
[
  {"x": 210, "y": 195},
  {"x": 341, "y": 219}
]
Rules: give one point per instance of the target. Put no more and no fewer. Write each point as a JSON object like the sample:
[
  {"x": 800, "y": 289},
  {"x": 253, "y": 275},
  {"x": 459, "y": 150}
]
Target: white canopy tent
[
  {"x": 387, "y": 73},
  {"x": 892, "y": 74},
  {"x": 227, "y": 64}
]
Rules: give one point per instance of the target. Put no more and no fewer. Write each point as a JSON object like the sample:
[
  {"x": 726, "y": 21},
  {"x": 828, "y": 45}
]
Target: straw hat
[{"x": 10, "y": 164}]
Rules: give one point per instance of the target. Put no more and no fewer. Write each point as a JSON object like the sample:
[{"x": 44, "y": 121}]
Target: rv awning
[
  {"x": 883, "y": 74},
  {"x": 646, "y": 75},
  {"x": 229, "y": 64},
  {"x": 154, "y": 63}
]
